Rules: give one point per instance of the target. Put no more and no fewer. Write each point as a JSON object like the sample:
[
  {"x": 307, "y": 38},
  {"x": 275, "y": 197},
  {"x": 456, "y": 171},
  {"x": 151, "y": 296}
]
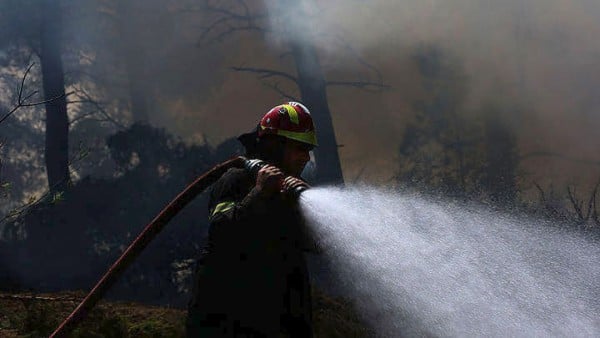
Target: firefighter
[{"x": 252, "y": 280}]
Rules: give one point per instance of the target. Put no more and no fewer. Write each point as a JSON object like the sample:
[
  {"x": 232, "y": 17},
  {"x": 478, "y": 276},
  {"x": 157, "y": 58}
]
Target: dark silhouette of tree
[
  {"x": 570, "y": 208},
  {"x": 99, "y": 217},
  {"x": 57, "y": 121},
  {"x": 23, "y": 99},
  {"x": 436, "y": 148},
  {"x": 35, "y": 26},
  {"x": 586, "y": 214},
  {"x": 445, "y": 152},
  {"x": 313, "y": 91}
]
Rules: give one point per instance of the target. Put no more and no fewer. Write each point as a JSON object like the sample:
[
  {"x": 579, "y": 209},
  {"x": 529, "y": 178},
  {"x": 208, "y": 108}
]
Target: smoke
[
  {"x": 536, "y": 59},
  {"x": 152, "y": 45},
  {"x": 416, "y": 267}
]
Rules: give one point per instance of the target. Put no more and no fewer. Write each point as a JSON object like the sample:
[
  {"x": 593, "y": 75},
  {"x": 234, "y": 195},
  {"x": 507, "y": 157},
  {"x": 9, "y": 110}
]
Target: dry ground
[{"x": 29, "y": 315}]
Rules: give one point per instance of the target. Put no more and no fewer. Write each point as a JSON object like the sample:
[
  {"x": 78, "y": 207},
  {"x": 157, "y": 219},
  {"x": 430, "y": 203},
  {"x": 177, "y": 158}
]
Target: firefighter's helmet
[{"x": 291, "y": 120}]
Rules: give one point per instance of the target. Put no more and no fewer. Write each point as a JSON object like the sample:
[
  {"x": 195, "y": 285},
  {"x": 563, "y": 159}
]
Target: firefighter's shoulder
[
  {"x": 235, "y": 176},
  {"x": 234, "y": 181}
]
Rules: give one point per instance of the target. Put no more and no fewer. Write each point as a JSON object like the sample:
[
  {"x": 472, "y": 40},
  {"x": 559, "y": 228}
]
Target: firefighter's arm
[
  {"x": 231, "y": 206},
  {"x": 230, "y": 210},
  {"x": 230, "y": 217}
]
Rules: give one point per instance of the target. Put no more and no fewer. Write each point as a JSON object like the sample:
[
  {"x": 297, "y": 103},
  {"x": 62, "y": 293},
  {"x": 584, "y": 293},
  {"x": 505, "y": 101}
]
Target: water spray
[
  {"x": 150, "y": 232},
  {"x": 420, "y": 267},
  {"x": 423, "y": 267}
]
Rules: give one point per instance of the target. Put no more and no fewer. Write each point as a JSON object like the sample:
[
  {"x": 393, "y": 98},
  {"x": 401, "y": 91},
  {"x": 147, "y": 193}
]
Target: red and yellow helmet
[{"x": 291, "y": 120}]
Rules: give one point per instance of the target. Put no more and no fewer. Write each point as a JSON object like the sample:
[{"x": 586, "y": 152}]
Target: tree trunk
[
  {"x": 314, "y": 95},
  {"x": 57, "y": 121}
]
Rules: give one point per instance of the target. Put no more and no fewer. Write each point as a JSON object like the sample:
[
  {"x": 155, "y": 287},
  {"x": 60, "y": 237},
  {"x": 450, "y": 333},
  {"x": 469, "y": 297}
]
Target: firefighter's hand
[
  {"x": 268, "y": 180},
  {"x": 291, "y": 183}
]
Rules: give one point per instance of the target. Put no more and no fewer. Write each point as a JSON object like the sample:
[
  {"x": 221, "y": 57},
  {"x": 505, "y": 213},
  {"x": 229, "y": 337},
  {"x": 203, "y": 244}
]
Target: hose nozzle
[{"x": 254, "y": 165}]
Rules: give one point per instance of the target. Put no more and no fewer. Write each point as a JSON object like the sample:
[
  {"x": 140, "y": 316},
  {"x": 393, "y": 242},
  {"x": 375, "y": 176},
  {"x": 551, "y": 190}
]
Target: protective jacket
[{"x": 252, "y": 280}]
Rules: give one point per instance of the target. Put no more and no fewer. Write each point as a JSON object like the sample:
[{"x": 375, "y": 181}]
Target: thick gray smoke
[
  {"x": 418, "y": 267},
  {"x": 535, "y": 59}
]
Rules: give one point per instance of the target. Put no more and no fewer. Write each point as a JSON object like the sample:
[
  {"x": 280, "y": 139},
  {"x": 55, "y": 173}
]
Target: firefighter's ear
[{"x": 250, "y": 141}]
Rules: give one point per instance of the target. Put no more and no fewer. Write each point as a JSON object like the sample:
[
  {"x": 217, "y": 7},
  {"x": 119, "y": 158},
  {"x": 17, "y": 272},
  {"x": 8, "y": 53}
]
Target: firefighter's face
[{"x": 295, "y": 156}]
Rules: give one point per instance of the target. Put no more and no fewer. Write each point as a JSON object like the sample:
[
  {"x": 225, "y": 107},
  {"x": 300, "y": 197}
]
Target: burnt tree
[
  {"x": 57, "y": 121},
  {"x": 35, "y": 28},
  {"x": 313, "y": 90}
]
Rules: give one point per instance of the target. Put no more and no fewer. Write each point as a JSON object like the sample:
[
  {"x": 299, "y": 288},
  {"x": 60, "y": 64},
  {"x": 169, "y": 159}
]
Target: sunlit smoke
[{"x": 419, "y": 267}]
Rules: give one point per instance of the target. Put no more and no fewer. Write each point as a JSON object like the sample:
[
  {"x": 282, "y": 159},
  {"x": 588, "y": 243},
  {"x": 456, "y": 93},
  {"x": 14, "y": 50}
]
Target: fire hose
[{"x": 150, "y": 232}]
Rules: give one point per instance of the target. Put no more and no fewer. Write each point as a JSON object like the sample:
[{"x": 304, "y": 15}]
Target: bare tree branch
[
  {"x": 365, "y": 85},
  {"x": 592, "y": 212},
  {"x": 84, "y": 97},
  {"x": 246, "y": 8},
  {"x": 275, "y": 87},
  {"x": 208, "y": 29},
  {"x": 232, "y": 29},
  {"x": 595, "y": 211},
  {"x": 48, "y": 194},
  {"x": 247, "y": 16},
  {"x": 22, "y": 100},
  {"x": 359, "y": 175},
  {"x": 546, "y": 204},
  {"x": 344, "y": 44},
  {"x": 576, "y": 204},
  {"x": 592, "y": 202},
  {"x": 229, "y": 21},
  {"x": 541, "y": 191},
  {"x": 86, "y": 116},
  {"x": 266, "y": 73}
]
